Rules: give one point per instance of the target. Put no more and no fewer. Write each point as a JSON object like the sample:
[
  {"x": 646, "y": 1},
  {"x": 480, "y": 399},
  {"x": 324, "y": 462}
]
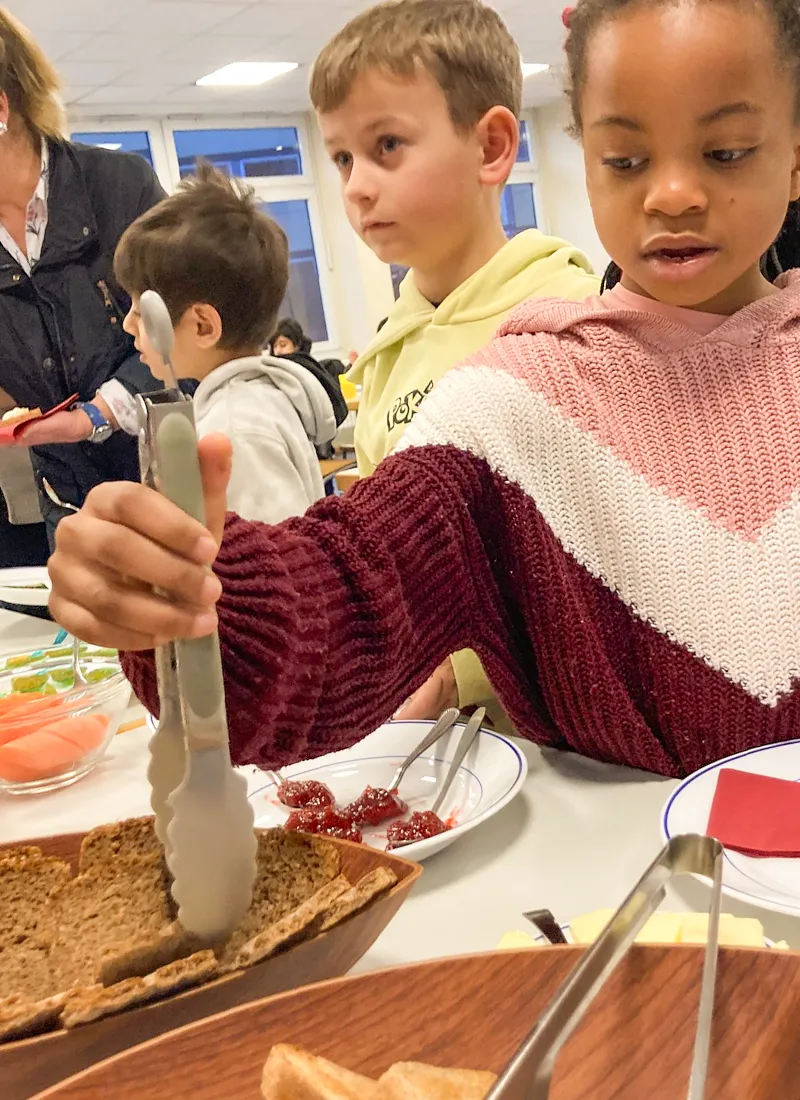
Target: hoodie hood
[
  {"x": 298, "y": 384},
  {"x": 529, "y": 265},
  {"x": 326, "y": 378}
]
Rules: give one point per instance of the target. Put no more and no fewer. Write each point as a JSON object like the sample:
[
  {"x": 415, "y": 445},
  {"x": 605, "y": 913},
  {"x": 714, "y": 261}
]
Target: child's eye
[
  {"x": 389, "y": 143},
  {"x": 729, "y": 156},
  {"x": 342, "y": 161},
  {"x": 624, "y": 164}
]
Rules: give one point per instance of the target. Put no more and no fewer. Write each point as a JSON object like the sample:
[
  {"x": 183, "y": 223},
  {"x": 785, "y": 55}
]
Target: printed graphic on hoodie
[{"x": 406, "y": 408}]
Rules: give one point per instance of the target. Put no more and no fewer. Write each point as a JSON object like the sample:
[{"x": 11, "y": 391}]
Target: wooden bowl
[
  {"x": 29, "y": 1065},
  {"x": 635, "y": 1042}
]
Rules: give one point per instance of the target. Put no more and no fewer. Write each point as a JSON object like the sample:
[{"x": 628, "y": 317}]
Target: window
[
  {"x": 129, "y": 141},
  {"x": 524, "y": 154},
  {"x": 257, "y": 153},
  {"x": 303, "y": 299},
  {"x": 273, "y": 159},
  {"x": 517, "y": 208}
]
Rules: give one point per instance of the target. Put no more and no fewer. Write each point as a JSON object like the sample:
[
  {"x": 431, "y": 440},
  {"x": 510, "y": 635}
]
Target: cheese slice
[
  {"x": 660, "y": 928},
  {"x": 513, "y": 941}
]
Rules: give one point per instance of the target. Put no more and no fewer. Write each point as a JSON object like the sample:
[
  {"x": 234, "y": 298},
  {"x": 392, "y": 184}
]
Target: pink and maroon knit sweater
[{"x": 603, "y": 504}]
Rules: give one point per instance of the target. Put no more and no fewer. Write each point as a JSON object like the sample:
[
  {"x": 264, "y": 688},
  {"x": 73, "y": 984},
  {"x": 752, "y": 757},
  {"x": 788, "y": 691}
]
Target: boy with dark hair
[{"x": 221, "y": 266}]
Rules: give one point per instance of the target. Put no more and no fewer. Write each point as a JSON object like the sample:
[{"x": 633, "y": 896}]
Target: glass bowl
[{"x": 51, "y": 733}]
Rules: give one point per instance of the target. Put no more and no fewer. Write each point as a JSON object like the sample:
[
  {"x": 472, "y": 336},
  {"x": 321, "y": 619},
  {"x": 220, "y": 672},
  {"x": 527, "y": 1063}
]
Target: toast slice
[
  {"x": 417, "y": 1081},
  {"x": 293, "y": 1074}
]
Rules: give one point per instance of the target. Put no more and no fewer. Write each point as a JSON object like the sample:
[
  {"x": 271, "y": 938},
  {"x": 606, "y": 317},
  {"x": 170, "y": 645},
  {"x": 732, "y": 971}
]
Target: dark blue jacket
[{"x": 61, "y": 328}]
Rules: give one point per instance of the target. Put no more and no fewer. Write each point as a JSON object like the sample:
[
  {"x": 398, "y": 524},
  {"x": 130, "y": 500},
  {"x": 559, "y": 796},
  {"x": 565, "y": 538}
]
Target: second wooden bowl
[{"x": 635, "y": 1042}]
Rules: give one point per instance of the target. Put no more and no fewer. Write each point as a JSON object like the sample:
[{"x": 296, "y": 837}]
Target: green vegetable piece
[
  {"x": 63, "y": 676},
  {"x": 21, "y": 661},
  {"x": 36, "y": 681},
  {"x": 95, "y": 675}
]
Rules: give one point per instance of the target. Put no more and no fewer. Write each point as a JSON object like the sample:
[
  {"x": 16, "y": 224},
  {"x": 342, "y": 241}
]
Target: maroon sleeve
[{"x": 330, "y": 621}]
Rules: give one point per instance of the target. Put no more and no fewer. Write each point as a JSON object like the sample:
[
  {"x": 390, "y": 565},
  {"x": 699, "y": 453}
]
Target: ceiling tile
[
  {"x": 182, "y": 16},
  {"x": 93, "y": 72},
  {"x": 137, "y": 45},
  {"x": 57, "y": 44},
  {"x": 46, "y": 16}
]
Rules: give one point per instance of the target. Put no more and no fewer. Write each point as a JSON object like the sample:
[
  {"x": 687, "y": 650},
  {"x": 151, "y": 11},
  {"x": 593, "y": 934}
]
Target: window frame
[{"x": 161, "y": 132}]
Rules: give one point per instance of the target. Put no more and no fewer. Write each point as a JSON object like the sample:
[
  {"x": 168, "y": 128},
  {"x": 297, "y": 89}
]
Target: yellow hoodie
[{"x": 420, "y": 342}]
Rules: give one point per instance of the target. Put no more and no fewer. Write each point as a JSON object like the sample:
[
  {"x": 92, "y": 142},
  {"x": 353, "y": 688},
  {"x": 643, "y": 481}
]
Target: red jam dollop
[
  {"x": 374, "y": 806},
  {"x": 323, "y": 821},
  {"x": 298, "y": 794},
  {"x": 422, "y": 825}
]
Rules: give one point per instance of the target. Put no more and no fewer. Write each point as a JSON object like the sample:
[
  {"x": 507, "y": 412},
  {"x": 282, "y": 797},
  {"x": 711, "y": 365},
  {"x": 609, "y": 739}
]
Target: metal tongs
[
  {"x": 202, "y": 815},
  {"x": 528, "y": 1075}
]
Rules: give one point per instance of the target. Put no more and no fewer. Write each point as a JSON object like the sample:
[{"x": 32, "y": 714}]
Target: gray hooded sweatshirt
[{"x": 274, "y": 412}]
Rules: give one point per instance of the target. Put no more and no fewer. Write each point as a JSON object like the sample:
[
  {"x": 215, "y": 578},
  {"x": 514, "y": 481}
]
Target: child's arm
[{"x": 327, "y": 623}]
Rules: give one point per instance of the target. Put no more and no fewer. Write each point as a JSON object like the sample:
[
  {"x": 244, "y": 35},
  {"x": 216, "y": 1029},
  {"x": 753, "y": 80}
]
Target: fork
[{"x": 444, "y": 724}]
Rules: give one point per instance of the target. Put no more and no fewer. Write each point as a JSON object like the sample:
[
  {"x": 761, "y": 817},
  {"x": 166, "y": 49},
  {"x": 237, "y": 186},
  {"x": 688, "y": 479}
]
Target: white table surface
[{"x": 576, "y": 839}]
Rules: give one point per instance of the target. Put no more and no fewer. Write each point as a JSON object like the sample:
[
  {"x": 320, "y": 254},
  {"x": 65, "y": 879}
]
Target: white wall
[{"x": 562, "y": 188}]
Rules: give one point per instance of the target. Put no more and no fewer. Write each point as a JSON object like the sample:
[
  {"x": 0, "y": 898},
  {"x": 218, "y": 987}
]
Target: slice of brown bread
[
  {"x": 26, "y": 881},
  {"x": 375, "y": 882},
  {"x": 25, "y": 970},
  {"x": 83, "y": 1006},
  {"x": 295, "y": 926},
  {"x": 21, "y": 851},
  {"x": 291, "y": 868},
  {"x": 114, "y": 928},
  {"x": 20, "y": 1018},
  {"x": 105, "y": 847}
]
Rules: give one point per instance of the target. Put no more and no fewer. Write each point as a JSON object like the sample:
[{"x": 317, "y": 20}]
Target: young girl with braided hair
[{"x": 604, "y": 503}]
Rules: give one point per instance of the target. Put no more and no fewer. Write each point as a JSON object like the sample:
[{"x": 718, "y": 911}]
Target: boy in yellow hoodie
[{"x": 418, "y": 102}]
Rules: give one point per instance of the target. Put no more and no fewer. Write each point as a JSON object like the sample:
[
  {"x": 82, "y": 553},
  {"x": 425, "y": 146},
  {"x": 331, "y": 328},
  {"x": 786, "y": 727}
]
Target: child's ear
[
  {"x": 207, "y": 325},
  {"x": 498, "y": 133}
]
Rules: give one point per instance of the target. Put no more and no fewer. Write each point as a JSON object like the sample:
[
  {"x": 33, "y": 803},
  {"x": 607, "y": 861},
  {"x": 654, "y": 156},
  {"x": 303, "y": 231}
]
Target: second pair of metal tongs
[
  {"x": 528, "y": 1075},
  {"x": 202, "y": 815}
]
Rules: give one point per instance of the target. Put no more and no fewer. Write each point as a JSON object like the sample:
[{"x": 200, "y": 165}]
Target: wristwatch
[{"x": 101, "y": 429}]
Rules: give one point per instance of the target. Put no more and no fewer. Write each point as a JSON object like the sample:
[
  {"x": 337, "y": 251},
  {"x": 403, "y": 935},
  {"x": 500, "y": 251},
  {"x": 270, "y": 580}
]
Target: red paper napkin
[
  {"x": 756, "y": 814},
  {"x": 10, "y": 433}
]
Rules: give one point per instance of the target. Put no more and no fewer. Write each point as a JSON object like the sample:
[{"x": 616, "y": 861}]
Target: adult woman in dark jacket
[{"x": 63, "y": 208}]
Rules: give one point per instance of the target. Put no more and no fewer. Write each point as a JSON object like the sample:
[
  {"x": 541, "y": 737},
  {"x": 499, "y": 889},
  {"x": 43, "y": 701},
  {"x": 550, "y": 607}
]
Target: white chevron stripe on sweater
[{"x": 732, "y": 602}]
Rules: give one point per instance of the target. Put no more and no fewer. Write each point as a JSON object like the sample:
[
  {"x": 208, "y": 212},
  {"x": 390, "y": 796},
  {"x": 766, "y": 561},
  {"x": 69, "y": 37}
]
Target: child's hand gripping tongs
[
  {"x": 528, "y": 1075},
  {"x": 202, "y": 814}
]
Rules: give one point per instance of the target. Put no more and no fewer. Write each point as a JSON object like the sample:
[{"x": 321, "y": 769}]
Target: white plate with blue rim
[
  {"x": 772, "y": 884},
  {"x": 25, "y": 587},
  {"x": 491, "y": 774}
]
